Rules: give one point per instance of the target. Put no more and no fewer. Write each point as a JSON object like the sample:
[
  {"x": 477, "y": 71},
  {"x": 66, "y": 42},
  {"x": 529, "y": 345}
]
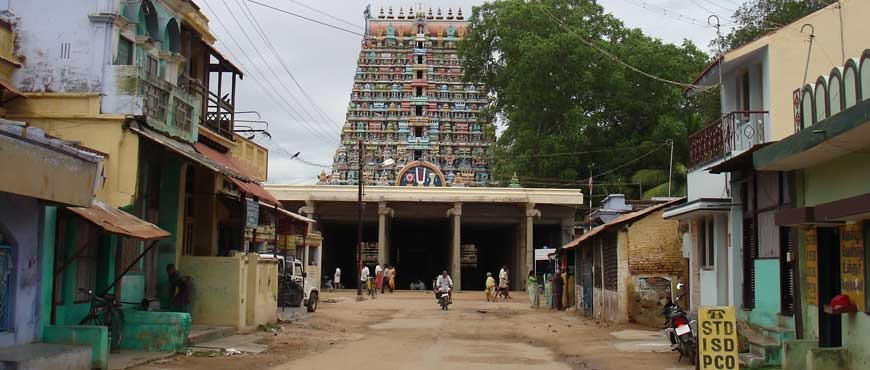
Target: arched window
[
  {"x": 148, "y": 25},
  {"x": 807, "y": 114},
  {"x": 821, "y": 99},
  {"x": 172, "y": 37},
  {"x": 850, "y": 84},
  {"x": 864, "y": 87},
  {"x": 835, "y": 92}
]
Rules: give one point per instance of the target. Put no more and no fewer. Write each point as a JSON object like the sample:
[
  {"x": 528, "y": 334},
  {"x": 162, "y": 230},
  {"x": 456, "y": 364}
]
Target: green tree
[
  {"x": 558, "y": 95},
  {"x": 759, "y": 17}
]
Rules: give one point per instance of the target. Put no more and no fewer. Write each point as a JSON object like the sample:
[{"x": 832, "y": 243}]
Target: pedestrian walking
[
  {"x": 364, "y": 276},
  {"x": 181, "y": 299},
  {"x": 385, "y": 279},
  {"x": 532, "y": 289},
  {"x": 337, "y": 278},
  {"x": 392, "y": 278},
  {"x": 490, "y": 287},
  {"x": 565, "y": 288},
  {"x": 557, "y": 290},
  {"x": 503, "y": 283},
  {"x": 548, "y": 289},
  {"x": 379, "y": 277}
]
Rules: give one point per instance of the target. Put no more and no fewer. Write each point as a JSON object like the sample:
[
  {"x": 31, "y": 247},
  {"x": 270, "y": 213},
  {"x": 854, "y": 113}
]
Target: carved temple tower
[{"x": 420, "y": 124}]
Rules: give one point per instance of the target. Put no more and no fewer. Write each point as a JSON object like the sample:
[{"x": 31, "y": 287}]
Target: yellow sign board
[
  {"x": 717, "y": 339},
  {"x": 811, "y": 267},
  {"x": 852, "y": 263}
]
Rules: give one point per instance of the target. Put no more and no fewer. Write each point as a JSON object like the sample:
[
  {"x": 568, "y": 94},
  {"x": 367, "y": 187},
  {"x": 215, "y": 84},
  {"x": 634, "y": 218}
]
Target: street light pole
[
  {"x": 359, "y": 218},
  {"x": 671, "y": 167}
]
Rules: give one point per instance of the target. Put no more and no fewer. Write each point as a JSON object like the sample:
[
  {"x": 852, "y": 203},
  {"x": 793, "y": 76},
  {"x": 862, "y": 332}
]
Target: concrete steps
[
  {"x": 765, "y": 345},
  {"x": 203, "y": 333}
]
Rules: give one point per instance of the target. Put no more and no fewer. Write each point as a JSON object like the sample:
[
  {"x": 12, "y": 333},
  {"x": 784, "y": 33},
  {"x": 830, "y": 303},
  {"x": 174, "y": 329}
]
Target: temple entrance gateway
[{"x": 419, "y": 251}]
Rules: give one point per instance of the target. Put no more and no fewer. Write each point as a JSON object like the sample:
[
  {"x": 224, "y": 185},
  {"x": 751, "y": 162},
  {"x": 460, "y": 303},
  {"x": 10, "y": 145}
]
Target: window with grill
[
  {"x": 6, "y": 286},
  {"x": 750, "y": 254},
  {"x": 130, "y": 251},
  {"x": 152, "y": 66},
  {"x": 124, "y": 56},
  {"x": 611, "y": 268},
  {"x": 87, "y": 246},
  {"x": 788, "y": 247},
  {"x": 706, "y": 250}
]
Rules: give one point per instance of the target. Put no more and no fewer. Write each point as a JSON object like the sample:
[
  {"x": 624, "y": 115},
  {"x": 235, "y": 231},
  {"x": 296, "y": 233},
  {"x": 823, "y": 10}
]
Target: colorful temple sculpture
[{"x": 419, "y": 123}]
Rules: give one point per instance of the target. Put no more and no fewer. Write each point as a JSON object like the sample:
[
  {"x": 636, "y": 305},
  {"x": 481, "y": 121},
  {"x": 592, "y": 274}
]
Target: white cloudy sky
[{"x": 323, "y": 61}]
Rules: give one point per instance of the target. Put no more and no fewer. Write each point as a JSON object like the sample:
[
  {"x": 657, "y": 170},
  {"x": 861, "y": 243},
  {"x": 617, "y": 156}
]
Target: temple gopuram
[{"x": 420, "y": 124}]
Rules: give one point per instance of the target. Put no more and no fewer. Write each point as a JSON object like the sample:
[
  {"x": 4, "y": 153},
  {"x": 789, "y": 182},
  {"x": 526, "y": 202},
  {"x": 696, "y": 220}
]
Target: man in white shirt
[
  {"x": 445, "y": 283},
  {"x": 337, "y": 278},
  {"x": 364, "y": 275}
]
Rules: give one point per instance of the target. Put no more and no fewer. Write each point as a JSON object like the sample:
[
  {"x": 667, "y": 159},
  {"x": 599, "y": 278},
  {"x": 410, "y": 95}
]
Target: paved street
[{"x": 409, "y": 331}]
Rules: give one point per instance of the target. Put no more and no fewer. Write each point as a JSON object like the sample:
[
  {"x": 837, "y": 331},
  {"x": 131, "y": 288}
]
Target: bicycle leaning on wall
[{"x": 104, "y": 311}]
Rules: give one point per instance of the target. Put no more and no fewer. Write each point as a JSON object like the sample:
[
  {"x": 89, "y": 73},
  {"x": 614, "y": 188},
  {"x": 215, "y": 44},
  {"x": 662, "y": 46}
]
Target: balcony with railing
[{"x": 734, "y": 132}]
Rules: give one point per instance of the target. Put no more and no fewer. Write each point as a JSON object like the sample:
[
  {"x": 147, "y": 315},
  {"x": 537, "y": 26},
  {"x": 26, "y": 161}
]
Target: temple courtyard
[{"x": 407, "y": 330}]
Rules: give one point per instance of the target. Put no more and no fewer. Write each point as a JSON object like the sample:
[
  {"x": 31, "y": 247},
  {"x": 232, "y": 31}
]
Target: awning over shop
[
  {"x": 246, "y": 185},
  {"x": 186, "y": 150},
  {"x": 292, "y": 215},
  {"x": 855, "y": 208},
  {"x": 698, "y": 207},
  {"x": 116, "y": 221}
]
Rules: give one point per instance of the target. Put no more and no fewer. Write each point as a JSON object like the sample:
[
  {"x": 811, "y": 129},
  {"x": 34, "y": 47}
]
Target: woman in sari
[
  {"x": 392, "y": 275},
  {"x": 548, "y": 289},
  {"x": 532, "y": 289}
]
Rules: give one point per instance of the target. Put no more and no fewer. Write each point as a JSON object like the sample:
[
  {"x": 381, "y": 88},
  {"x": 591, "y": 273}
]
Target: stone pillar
[
  {"x": 308, "y": 211},
  {"x": 567, "y": 227},
  {"x": 455, "y": 214},
  {"x": 527, "y": 258},
  {"x": 384, "y": 213}
]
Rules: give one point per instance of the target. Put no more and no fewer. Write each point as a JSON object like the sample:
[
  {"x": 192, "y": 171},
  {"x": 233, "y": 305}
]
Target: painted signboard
[
  {"x": 811, "y": 266},
  {"x": 468, "y": 256},
  {"x": 541, "y": 254},
  {"x": 252, "y": 214},
  {"x": 717, "y": 340},
  {"x": 852, "y": 263}
]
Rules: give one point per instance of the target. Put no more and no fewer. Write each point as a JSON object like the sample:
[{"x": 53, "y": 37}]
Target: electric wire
[
  {"x": 616, "y": 59},
  {"x": 327, "y": 14},
  {"x": 307, "y": 18},
  {"x": 269, "y": 67},
  {"x": 283, "y": 103},
  {"x": 271, "y": 47},
  {"x": 667, "y": 12}
]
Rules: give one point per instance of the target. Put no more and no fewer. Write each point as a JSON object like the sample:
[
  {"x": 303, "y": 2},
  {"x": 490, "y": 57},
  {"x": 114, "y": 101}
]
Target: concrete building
[
  {"x": 626, "y": 268},
  {"x": 828, "y": 220},
  {"x": 739, "y": 256},
  {"x": 424, "y": 230},
  {"x": 410, "y": 105},
  {"x": 140, "y": 83}
]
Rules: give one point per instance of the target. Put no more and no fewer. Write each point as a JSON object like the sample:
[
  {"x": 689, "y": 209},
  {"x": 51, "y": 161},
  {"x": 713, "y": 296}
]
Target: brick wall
[{"x": 655, "y": 247}]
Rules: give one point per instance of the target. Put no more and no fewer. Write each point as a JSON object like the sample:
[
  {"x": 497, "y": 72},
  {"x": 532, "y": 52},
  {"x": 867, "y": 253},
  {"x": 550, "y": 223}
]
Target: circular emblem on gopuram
[{"x": 419, "y": 173}]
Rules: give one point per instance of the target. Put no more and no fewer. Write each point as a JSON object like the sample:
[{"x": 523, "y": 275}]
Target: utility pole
[
  {"x": 671, "y": 167},
  {"x": 359, "y": 218}
]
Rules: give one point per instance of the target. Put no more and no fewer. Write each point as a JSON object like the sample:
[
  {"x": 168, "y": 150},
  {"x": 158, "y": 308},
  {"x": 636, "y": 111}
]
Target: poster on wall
[
  {"x": 811, "y": 266},
  {"x": 852, "y": 263},
  {"x": 468, "y": 256}
]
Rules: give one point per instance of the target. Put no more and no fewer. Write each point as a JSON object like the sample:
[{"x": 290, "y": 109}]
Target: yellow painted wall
[
  {"x": 8, "y": 62},
  {"x": 788, "y": 47},
  {"x": 75, "y": 117},
  {"x": 251, "y": 155},
  {"x": 239, "y": 291},
  {"x": 219, "y": 298}
]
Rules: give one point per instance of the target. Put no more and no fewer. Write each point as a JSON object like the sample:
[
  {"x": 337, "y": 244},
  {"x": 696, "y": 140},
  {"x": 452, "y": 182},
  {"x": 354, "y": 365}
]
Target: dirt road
[{"x": 407, "y": 330}]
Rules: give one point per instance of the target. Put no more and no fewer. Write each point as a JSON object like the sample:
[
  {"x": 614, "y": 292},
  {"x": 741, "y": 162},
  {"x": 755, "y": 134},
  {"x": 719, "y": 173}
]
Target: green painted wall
[
  {"x": 95, "y": 336},
  {"x": 767, "y": 293},
  {"x": 856, "y": 338},
  {"x": 156, "y": 331},
  {"x": 47, "y": 261},
  {"x": 170, "y": 184},
  {"x": 844, "y": 177}
]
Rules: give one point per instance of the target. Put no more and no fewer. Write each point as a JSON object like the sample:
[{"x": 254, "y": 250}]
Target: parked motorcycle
[{"x": 681, "y": 331}]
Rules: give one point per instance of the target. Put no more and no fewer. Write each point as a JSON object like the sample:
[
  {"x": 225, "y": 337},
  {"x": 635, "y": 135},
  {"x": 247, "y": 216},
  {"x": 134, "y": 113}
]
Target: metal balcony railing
[{"x": 734, "y": 132}]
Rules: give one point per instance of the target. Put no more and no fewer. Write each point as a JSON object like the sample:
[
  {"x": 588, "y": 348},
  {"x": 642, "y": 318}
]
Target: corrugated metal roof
[
  {"x": 116, "y": 221},
  {"x": 616, "y": 221},
  {"x": 247, "y": 185},
  {"x": 187, "y": 150}
]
